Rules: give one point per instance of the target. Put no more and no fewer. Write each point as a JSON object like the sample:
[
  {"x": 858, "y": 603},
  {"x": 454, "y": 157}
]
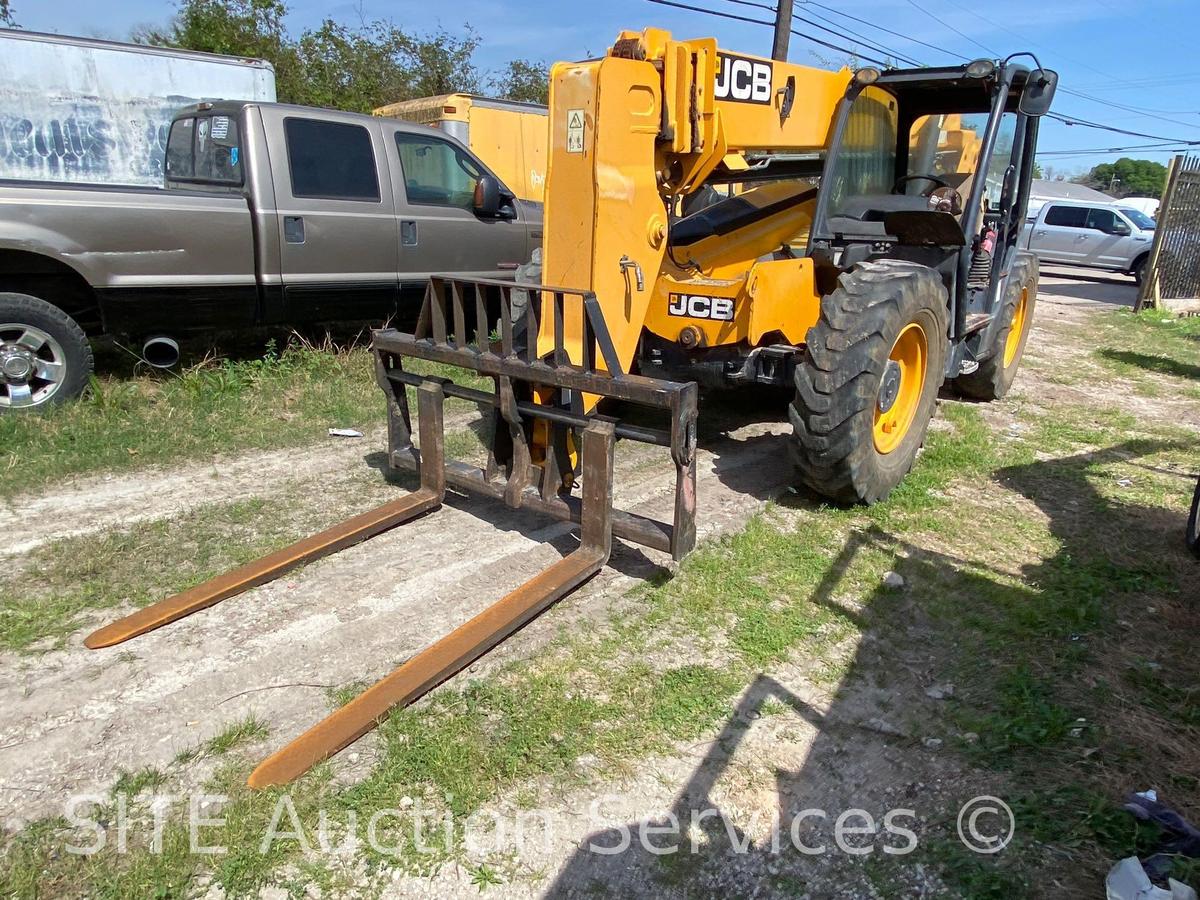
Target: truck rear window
[{"x": 205, "y": 150}]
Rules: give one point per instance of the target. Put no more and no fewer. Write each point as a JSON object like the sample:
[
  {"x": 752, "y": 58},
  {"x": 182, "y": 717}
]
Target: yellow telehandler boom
[{"x": 865, "y": 253}]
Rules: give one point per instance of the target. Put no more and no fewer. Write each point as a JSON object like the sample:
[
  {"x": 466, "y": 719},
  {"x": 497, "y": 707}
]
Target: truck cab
[
  {"x": 271, "y": 217},
  {"x": 1096, "y": 235},
  {"x": 350, "y": 213}
]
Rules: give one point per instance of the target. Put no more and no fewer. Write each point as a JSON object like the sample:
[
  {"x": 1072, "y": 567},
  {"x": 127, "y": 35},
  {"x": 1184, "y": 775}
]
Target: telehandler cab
[{"x": 864, "y": 254}]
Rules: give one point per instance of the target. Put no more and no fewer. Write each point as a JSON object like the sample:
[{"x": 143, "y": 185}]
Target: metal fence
[{"x": 1174, "y": 270}]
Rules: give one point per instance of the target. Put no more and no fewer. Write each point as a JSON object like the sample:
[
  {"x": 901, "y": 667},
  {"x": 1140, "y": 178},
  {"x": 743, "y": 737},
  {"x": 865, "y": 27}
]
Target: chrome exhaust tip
[{"x": 161, "y": 352}]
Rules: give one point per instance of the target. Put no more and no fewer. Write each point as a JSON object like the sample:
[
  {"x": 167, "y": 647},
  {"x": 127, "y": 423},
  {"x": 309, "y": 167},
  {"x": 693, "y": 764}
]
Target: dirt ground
[{"x": 70, "y": 719}]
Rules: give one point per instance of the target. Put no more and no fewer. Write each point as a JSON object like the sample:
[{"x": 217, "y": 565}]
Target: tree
[
  {"x": 6, "y": 16},
  {"x": 1127, "y": 178},
  {"x": 252, "y": 28},
  {"x": 523, "y": 79},
  {"x": 441, "y": 63},
  {"x": 353, "y": 68}
]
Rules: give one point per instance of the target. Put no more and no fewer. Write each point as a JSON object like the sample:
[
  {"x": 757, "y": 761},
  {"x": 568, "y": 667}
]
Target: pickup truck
[
  {"x": 271, "y": 217},
  {"x": 1096, "y": 235}
]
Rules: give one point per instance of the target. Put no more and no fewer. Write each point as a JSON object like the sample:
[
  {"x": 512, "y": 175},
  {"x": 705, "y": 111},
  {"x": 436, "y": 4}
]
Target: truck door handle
[
  {"x": 1041, "y": 232},
  {"x": 408, "y": 233},
  {"x": 293, "y": 229}
]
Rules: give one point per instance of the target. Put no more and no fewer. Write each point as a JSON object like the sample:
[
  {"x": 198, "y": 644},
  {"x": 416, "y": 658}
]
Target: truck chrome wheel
[{"x": 32, "y": 365}]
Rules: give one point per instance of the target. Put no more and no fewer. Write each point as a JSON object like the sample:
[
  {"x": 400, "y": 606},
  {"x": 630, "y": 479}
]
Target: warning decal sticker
[{"x": 574, "y": 130}]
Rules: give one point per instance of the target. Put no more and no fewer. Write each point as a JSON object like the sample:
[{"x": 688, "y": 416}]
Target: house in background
[{"x": 1042, "y": 192}]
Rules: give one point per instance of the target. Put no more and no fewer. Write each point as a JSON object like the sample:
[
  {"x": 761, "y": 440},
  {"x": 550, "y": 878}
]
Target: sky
[{"x": 1133, "y": 59}]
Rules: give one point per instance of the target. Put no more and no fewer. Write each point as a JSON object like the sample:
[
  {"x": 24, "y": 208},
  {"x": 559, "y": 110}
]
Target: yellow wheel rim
[
  {"x": 901, "y": 387},
  {"x": 1013, "y": 342}
]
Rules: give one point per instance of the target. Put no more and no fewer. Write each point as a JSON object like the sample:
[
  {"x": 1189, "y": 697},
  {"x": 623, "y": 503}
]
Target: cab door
[
  {"x": 1112, "y": 246},
  {"x": 336, "y": 216},
  {"x": 1062, "y": 234},
  {"x": 434, "y": 180}
]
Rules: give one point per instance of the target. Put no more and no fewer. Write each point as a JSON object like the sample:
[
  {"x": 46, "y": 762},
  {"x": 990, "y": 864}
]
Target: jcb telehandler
[{"x": 864, "y": 253}]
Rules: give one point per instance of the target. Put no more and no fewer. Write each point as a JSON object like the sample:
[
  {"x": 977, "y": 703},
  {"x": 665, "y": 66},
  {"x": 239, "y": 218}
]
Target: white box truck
[{"x": 97, "y": 112}]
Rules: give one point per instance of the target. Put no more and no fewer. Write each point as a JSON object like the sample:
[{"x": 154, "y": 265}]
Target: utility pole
[{"x": 783, "y": 30}]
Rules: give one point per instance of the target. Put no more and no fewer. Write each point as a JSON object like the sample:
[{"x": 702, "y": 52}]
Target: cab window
[
  {"x": 1067, "y": 216},
  {"x": 436, "y": 173},
  {"x": 1105, "y": 220},
  {"x": 205, "y": 150},
  {"x": 866, "y": 163},
  {"x": 331, "y": 160},
  {"x": 947, "y": 147}
]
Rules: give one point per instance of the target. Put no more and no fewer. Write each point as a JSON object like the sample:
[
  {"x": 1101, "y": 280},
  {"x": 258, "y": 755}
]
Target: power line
[
  {"x": 1148, "y": 113},
  {"x": 1066, "y": 120},
  {"x": 807, "y": 37},
  {"x": 1160, "y": 147},
  {"x": 1072, "y": 120},
  {"x": 838, "y": 12},
  {"x": 1132, "y": 109},
  {"x": 945, "y": 24},
  {"x": 845, "y": 34},
  {"x": 863, "y": 39}
]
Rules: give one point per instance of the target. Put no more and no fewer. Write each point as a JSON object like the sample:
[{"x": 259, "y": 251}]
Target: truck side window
[
  {"x": 1102, "y": 220},
  {"x": 1067, "y": 216},
  {"x": 205, "y": 150},
  {"x": 436, "y": 173},
  {"x": 331, "y": 160}
]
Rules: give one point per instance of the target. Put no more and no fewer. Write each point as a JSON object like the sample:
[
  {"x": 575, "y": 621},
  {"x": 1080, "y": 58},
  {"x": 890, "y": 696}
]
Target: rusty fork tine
[
  {"x": 468, "y": 642},
  {"x": 344, "y": 534}
]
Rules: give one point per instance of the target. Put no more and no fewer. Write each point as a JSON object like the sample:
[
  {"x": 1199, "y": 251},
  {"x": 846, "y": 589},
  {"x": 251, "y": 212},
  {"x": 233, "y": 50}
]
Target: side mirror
[
  {"x": 1121, "y": 229},
  {"x": 487, "y": 197},
  {"x": 1039, "y": 92}
]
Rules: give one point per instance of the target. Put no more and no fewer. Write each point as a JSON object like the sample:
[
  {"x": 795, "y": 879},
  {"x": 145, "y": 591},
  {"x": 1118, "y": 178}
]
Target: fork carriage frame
[{"x": 453, "y": 329}]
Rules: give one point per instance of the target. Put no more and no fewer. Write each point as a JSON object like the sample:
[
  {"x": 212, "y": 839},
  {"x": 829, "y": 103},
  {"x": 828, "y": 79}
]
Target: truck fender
[{"x": 41, "y": 241}]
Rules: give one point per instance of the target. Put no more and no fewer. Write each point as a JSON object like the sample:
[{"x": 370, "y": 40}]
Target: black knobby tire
[
  {"x": 67, "y": 345},
  {"x": 995, "y": 375},
  {"x": 838, "y": 385},
  {"x": 1193, "y": 523}
]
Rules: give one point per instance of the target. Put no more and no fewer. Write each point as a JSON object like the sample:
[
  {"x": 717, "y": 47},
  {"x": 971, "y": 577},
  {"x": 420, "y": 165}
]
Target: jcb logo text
[
  {"x": 742, "y": 79},
  {"x": 696, "y": 306}
]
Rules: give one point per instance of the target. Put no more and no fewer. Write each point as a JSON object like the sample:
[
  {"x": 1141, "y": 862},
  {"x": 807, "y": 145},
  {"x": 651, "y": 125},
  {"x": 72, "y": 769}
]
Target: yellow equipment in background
[{"x": 508, "y": 135}]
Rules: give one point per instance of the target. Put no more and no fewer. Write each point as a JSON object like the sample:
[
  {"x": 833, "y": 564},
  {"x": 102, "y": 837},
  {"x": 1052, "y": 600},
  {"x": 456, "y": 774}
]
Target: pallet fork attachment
[{"x": 529, "y": 388}]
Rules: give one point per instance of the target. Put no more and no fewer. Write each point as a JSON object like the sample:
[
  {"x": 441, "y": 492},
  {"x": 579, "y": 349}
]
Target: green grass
[
  {"x": 1021, "y": 612},
  {"x": 47, "y": 599},
  {"x": 282, "y": 400},
  {"x": 55, "y": 588},
  {"x": 1144, "y": 346}
]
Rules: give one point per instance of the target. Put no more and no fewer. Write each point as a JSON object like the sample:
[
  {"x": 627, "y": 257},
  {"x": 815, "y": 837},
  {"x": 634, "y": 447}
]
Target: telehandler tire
[
  {"x": 994, "y": 377},
  {"x": 868, "y": 385}
]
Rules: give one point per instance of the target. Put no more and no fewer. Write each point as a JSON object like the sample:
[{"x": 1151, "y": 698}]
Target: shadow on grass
[
  {"x": 1048, "y": 664},
  {"x": 1163, "y": 365}
]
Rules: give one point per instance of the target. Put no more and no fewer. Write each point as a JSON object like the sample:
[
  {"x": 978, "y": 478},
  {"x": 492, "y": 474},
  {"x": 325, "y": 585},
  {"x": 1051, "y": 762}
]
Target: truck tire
[
  {"x": 45, "y": 357},
  {"x": 1138, "y": 271},
  {"x": 868, "y": 386},
  {"x": 994, "y": 377}
]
